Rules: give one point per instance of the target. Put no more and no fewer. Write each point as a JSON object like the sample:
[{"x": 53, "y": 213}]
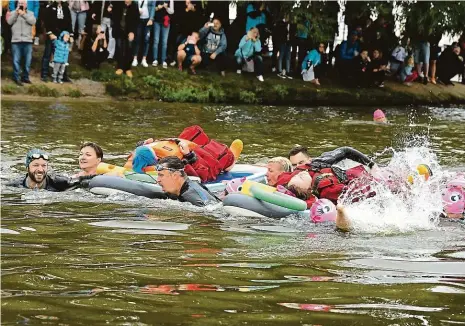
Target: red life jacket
[{"x": 219, "y": 152}]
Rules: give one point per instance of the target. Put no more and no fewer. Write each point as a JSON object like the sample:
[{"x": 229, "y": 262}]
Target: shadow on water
[{"x": 81, "y": 259}]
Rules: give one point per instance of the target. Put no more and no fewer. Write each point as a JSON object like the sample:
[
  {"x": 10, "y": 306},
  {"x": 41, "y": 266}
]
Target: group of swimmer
[{"x": 194, "y": 154}]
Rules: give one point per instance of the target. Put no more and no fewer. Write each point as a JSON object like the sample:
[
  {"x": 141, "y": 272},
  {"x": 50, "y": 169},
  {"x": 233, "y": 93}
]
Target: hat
[
  {"x": 35, "y": 154},
  {"x": 144, "y": 156},
  {"x": 379, "y": 116}
]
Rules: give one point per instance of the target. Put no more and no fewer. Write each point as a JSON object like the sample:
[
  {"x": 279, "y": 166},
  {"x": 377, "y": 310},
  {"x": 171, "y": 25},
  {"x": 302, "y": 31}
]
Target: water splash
[{"x": 408, "y": 207}]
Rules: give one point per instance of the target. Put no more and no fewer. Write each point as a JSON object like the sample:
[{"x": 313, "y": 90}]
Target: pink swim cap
[{"x": 378, "y": 115}]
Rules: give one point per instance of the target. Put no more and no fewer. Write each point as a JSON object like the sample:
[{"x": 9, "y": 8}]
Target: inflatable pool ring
[
  {"x": 323, "y": 210},
  {"x": 238, "y": 204},
  {"x": 106, "y": 185},
  {"x": 104, "y": 168},
  {"x": 163, "y": 148},
  {"x": 246, "y": 185},
  {"x": 454, "y": 200},
  {"x": 278, "y": 198},
  {"x": 422, "y": 170}
]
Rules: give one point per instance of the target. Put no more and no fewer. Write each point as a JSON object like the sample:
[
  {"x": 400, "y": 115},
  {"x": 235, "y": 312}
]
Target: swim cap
[
  {"x": 35, "y": 154},
  {"x": 323, "y": 210},
  {"x": 143, "y": 156},
  {"x": 379, "y": 116}
]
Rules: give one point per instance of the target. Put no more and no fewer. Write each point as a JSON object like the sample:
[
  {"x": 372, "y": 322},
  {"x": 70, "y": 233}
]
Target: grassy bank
[{"x": 156, "y": 83}]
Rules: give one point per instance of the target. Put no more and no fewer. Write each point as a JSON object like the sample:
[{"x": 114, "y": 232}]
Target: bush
[
  {"x": 248, "y": 97},
  {"x": 76, "y": 93},
  {"x": 184, "y": 94},
  {"x": 120, "y": 86},
  {"x": 102, "y": 75},
  {"x": 280, "y": 91},
  {"x": 9, "y": 89},
  {"x": 151, "y": 81},
  {"x": 216, "y": 95},
  {"x": 42, "y": 90}
]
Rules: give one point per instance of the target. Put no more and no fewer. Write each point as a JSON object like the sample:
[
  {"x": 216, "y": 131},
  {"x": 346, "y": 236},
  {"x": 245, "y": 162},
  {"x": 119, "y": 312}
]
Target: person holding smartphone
[
  {"x": 95, "y": 48},
  {"x": 21, "y": 21}
]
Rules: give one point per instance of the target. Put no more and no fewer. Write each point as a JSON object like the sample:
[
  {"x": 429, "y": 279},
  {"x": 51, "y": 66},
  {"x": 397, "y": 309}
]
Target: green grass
[
  {"x": 42, "y": 91},
  {"x": 76, "y": 93}
]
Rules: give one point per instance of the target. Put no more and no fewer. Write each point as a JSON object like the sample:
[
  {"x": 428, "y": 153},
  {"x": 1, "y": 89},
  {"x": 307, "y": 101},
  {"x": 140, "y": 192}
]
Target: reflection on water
[{"x": 80, "y": 259}]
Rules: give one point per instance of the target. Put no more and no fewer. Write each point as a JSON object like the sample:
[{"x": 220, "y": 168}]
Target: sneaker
[
  {"x": 381, "y": 85},
  {"x": 282, "y": 75},
  {"x": 165, "y": 65},
  {"x": 119, "y": 72},
  {"x": 61, "y": 82},
  {"x": 260, "y": 78},
  {"x": 422, "y": 75},
  {"x": 155, "y": 63},
  {"x": 50, "y": 64},
  {"x": 134, "y": 63},
  {"x": 129, "y": 73},
  {"x": 223, "y": 73},
  {"x": 239, "y": 71},
  {"x": 172, "y": 64},
  {"x": 273, "y": 69},
  {"x": 36, "y": 40},
  {"x": 18, "y": 82},
  {"x": 67, "y": 64},
  {"x": 288, "y": 77},
  {"x": 144, "y": 63}
]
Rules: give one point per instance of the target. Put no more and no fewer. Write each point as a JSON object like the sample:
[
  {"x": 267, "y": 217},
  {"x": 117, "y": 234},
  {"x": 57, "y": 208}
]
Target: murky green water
[{"x": 68, "y": 266}]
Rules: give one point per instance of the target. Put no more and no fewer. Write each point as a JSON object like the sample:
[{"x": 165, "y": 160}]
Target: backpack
[{"x": 219, "y": 152}]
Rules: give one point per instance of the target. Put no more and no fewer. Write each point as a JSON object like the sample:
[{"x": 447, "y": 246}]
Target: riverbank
[{"x": 170, "y": 85}]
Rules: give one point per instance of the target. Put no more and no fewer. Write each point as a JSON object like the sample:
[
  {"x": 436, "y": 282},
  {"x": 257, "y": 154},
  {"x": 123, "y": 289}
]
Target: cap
[{"x": 35, "y": 154}]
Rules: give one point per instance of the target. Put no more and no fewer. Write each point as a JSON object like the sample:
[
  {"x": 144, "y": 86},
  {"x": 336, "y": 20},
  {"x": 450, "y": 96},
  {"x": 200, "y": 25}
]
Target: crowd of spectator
[{"x": 184, "y": 34}]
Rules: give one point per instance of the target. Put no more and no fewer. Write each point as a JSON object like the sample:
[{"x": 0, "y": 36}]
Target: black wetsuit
[
  {"x": 327, "y": 159},
  {"x": 196, "y": 194},
  {"x": 54, "y": 183}
]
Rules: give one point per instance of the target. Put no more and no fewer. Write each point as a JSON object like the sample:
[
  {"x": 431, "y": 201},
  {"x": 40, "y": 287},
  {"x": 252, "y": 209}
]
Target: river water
[{"x": 82, "y": 259}]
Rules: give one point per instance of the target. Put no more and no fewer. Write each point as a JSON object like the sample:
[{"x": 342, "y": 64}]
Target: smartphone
[{"x": 211, "y": 25}]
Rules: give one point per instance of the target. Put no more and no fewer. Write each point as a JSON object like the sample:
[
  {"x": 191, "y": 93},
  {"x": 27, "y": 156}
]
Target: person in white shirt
[{"x": 143, "y": 31}]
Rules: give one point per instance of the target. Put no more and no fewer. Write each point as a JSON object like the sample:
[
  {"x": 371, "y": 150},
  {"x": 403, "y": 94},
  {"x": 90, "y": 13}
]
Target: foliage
[
  {"x": 120, "y": 86},
  {"x": 280, "y": 91},
  {"x": 248, "y": 97},
  {"x": 151, "y": 81},
  {"x": 9, "y": 89},
  {"x": 42, "y": 91},
  {"x": 76, "y": 93}
]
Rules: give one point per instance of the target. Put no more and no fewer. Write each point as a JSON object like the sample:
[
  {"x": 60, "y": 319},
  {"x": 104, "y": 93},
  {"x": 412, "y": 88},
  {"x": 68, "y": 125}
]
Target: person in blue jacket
[
  {"x": 311, "y": 60},
  {"x": 60, "y": 58},
  {"x": 249, "y": 49},
  {"x": 348, "y": 51}
]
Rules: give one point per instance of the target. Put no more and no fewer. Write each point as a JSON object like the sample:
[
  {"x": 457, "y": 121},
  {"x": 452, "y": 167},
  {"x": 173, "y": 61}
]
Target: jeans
[
  {"x": 81, "y": 18},
  {"x": 158, "y": 29},
  {"x": 142, "y": 30},
  {"x": 284, "y": 53},
  {"x": 422, "y": 53},
  {"x": 106, "y": 24},
  {"x": 58, "y": 71},
  {"x": 21, "y": 50},
  {"x": 257, "y": 62},
  {"x": 48, "y": 50}
]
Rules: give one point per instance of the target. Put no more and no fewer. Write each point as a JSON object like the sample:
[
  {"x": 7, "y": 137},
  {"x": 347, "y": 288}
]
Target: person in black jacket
[
  {"x": 175, "y": 183},
  {"x": 57, "y": 18},
  {"x": 450, "y": 63},
  {"x": 38, "y": 177},
  {"x": 95, "y": 47},
  {"x": 125, "y": 19},
  {"x": 377, "y": 68}
]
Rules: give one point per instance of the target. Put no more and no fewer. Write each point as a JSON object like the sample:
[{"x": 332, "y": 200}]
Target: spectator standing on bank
[
  {"x": 143, "y": 32},
  {"x": 57, "y": 19},
  {"x": 78, "y": 9},
  {"x": 125, "y": 18},
  {"x": 21, "y": 20},
  {"x": 161, "y": 28}
]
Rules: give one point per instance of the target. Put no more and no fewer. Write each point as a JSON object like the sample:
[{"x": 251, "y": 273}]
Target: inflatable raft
[{"x": 145, "y": 184}]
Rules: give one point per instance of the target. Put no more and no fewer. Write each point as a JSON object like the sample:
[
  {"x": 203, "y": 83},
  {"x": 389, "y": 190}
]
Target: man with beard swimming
[{"x": 38, "y": 177}]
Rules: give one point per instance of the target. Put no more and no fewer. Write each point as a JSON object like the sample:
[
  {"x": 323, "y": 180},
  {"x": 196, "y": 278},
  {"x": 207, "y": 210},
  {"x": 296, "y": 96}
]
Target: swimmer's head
[
  {"x": 379, "y": 116},
  {"x": 301, "y": 185}
]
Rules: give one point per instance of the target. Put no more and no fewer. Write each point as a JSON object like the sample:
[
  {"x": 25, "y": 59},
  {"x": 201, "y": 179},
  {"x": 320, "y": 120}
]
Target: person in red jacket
[{"x": 299, "y": 183}]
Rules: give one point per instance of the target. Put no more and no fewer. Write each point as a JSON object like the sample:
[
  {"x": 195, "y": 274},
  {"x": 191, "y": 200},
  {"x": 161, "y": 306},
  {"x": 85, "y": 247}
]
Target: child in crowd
[
  {"x": 189, "y": 52},
  {"x": 60, "y": 58},
  {"x": 408, "y": 73},
  {"x": 360, "y": 75}
]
